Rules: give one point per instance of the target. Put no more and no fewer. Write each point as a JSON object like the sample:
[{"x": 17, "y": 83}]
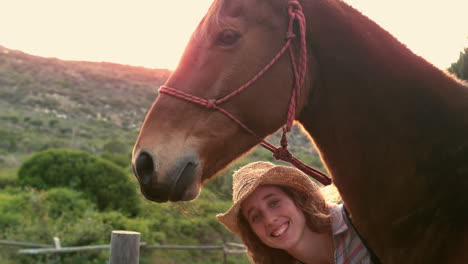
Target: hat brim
[{"x": 278, "y": 175}]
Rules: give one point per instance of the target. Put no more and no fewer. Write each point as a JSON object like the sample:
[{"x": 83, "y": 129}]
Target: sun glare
[
  {"x": 435, "y": 30},
  {"x": 154, "y": 33},
  {"x": 143, "y": 33}
]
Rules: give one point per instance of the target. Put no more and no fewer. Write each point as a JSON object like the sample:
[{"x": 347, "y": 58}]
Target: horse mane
[
  {"x": 362, "y": 35},
  {"x": 211, "y": 20},
  {"x": 419, "y": 108}
]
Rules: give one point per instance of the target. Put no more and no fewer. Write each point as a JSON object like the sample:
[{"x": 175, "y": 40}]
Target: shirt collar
[{"x": 338, "y": 222}]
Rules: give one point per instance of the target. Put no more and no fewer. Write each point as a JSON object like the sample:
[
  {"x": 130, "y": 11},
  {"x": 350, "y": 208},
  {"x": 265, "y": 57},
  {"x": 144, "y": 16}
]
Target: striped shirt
[{"x": 349, "y": 248}]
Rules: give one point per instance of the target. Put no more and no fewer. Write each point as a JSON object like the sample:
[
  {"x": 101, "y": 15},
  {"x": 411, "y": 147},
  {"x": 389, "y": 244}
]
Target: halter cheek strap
[{"x": 299, "y": 71}]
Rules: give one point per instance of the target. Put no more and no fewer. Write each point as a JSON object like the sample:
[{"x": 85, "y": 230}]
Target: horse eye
[{"x": 227, "y": 38}]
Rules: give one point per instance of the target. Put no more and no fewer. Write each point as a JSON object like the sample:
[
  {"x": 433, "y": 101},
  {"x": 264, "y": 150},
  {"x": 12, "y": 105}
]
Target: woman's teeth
[{"x": 280, "y": 230}]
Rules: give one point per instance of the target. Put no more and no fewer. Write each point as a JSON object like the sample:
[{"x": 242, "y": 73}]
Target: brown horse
[{"x": 391, "y": 128}]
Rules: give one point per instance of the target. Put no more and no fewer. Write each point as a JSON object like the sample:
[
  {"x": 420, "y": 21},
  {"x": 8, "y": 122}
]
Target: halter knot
[
  {"x": 211, "y": 103},
  {"x": 282, "y": 154},
  {"x": 290, "y": 35},
  {"x": 294, "y": 5}
]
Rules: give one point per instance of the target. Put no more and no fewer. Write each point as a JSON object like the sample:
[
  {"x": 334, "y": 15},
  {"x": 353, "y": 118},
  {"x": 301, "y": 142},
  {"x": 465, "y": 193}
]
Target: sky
[{"x": 154, "y": 33}]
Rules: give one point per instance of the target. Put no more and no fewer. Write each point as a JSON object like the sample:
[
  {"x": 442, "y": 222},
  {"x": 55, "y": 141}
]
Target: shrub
[
  {"x": 65, "y": 203},
  {"x": 460, "y": 68},
  {"x": 9, "y": 207},
  {"x": 102, "y": 182},
  {"x": 121, "y": 159},
  {"x": 8, "y": 140},
  {"x": 7, "y": 177},
  {"x": 117, "y": 152},
  {"x": 116, "y": 146}
]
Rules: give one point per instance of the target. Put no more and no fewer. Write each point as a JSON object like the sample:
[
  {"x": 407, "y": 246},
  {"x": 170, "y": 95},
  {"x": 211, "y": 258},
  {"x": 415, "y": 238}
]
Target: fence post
[
  {"x": 224, "y": 253},
  {"x": 125, "y": 247},
  {"x": 57, "y": 243}
]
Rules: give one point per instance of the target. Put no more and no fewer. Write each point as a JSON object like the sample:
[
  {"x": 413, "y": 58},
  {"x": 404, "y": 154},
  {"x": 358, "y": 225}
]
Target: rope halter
[{"x": 299, "y": 71}]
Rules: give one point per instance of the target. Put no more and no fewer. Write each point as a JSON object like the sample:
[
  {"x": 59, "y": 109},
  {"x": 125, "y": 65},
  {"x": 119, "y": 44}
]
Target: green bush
[
  {"x": 7, "y": 177},
  {"x": 8, "y": 140},
  {"x": 116, "y": 146},
  {"x": 10, "y": 215},
  {"x": 66, "y": 203},
  {"x": 102, "y": 182},
  {"x": 460, "y": 68},
  {"x": 121, "y": 159},
  {"x": 118, "y": 152},
  {"x": 37, "y": 216}
]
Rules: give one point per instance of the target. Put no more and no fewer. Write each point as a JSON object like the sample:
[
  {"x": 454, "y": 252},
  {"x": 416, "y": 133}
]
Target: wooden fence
[{"x": 124, "y": 248}]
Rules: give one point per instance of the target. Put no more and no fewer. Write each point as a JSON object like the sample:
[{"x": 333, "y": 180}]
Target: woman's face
[{"x": 274, "y": 217}]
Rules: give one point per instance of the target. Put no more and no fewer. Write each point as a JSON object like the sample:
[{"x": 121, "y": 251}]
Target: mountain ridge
[
  {"x": 52, "y": 103},
  {"x": 68, "y": 86},
  {"x": 48, "y": 102}
]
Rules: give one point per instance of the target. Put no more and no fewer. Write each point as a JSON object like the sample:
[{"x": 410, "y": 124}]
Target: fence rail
[
  {"x": 121, "y": 241},
  {"x": 47, "y": 249},
  {"x": 22, "y": 244},
  {"x": 37, "y": 251}
]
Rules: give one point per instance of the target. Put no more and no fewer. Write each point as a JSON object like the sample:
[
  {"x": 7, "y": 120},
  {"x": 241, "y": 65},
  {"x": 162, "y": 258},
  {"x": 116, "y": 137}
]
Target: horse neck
[
  {"x": 375, "y": 108},
  {"x": 380, "y": 117}
]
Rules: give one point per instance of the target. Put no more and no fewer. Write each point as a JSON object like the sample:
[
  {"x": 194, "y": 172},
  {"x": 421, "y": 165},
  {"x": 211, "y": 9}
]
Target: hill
[
  {"x": 78, "y": 90},
  {"x": 47, "y": 102},
  {"x": 96, "y": 107}
]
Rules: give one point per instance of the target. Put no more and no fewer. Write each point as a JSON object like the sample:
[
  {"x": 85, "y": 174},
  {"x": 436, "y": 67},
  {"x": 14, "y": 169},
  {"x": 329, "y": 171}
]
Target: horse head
[{"x": 184, "y": 141}]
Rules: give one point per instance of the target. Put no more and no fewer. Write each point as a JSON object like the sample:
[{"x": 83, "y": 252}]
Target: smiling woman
[{"x": 283, "y": 217}]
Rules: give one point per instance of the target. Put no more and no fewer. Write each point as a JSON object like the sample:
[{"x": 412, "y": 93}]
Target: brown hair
[{"x": 316, "y": 212}]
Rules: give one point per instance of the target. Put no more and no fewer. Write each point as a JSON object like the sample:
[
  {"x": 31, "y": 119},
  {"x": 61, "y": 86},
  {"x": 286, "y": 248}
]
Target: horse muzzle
[{"x": 176, "y": 184}]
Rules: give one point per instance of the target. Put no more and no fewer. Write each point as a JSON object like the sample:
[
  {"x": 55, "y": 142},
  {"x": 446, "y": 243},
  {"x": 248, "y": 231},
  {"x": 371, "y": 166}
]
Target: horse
[{"x": 390, "y": 127}]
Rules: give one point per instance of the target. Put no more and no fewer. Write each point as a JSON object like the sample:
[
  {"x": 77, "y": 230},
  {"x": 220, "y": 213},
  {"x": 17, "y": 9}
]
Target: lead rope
[{"x": 299, "y": 71}]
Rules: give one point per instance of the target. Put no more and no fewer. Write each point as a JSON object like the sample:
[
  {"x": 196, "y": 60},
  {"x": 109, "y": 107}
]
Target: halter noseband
[{"x": 299, "y": 70}]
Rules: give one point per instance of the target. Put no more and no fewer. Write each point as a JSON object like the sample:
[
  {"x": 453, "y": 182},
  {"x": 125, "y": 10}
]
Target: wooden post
[
  {"x": 224, "y": 253},
  {"x": 125, "y": 247},
  {"x": 57, "y": 244}
]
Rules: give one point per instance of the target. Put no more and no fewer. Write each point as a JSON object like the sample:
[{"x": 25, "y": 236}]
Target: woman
[{"x": 283, "y": 217}]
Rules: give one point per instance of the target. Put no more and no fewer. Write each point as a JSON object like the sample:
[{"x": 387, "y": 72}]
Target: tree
[
  {"x": 65, "y": 203},
  {"x": 460, "y": 68},
  {"x": 117, "y": 152},
  {"x": 102, "y": 182}
]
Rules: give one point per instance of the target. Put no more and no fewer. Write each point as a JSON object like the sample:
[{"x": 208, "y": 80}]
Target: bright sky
[{"x": 153, "y": 33}]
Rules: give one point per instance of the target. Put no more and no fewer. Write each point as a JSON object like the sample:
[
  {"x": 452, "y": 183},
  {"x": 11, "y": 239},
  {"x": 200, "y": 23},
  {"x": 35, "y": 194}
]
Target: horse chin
[
  {"x": 180, "y": 183},
  {"x": 155, "y": 195},
  {"x": 186, "y": 187}
]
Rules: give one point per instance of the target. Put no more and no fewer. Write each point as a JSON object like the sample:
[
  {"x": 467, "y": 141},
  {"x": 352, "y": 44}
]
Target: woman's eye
[
  {"x": 227, "y": 38},
  {"x": 254, "y": 218},
  {"x": 274, "y": 203}
]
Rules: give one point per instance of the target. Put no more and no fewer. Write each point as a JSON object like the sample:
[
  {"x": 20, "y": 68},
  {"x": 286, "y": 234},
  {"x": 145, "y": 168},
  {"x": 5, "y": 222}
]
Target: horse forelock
[
  {"x": 215, "y": 19},
  {"x": 212, "y": 21}
]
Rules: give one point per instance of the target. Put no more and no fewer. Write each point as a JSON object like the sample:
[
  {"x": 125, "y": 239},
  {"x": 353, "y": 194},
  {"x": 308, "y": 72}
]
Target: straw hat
[{"x": 249, "y": 177}]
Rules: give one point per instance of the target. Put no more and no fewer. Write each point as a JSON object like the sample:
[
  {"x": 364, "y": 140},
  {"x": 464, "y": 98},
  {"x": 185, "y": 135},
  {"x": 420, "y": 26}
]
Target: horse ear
[{"x": 232, "y": 8}]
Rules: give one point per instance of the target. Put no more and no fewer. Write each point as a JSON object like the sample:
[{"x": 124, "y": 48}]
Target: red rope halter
[{"x": 299, "y": 70}]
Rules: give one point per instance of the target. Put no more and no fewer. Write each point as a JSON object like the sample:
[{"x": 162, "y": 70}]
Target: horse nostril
[{"x": 144, "y": 167}]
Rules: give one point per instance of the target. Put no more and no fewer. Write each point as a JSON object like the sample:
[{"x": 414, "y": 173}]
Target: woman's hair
[{"x": 316, "y": 212}]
